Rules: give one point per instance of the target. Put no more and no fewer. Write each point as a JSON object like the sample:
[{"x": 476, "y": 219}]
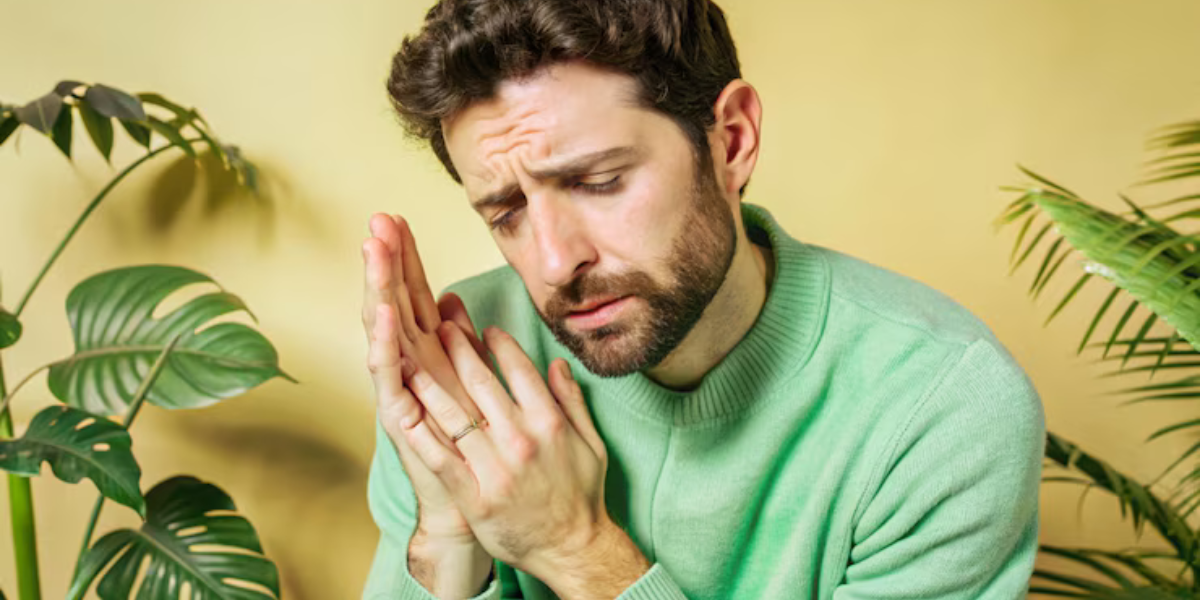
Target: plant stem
[
  {"x": 83, "y": 217},
  {"x": 20, "y": 505},
  {"x": 139, "y": 398},
  {"x": 8, "y": 397}
]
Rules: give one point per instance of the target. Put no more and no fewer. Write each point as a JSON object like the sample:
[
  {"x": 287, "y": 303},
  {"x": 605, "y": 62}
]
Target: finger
[
  {"x": 450, "y": 468},
  {"x": 452, "y": 309},
  {"x": 398, "y": 409},
  {"x": 570, "y": 398},
  {"x": 529, "y": 390},
  {"x": 477, "y": 379},
  {"x": 380, "y": 287},
  {"x": 414, "y": 278},
  {"x": 449, "y": 415}
]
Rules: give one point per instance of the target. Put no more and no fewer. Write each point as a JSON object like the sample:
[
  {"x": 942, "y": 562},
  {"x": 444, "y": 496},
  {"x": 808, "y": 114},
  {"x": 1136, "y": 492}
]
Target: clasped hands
[{"x": 527, "y": 484}]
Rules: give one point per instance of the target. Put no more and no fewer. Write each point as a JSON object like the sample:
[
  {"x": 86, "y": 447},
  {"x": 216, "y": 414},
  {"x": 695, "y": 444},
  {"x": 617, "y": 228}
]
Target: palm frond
[
  {"x": 1137, "y": 501},
  {"x": 1106, "y": 563},
  {"x": 1150, "y": 261}
]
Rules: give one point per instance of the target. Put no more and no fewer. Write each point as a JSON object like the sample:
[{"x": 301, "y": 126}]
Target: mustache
[{"x": 589, "y": 285}]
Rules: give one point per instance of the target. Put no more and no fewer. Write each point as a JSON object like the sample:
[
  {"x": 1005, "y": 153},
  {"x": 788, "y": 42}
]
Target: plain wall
[{"x": 889, "y": 127}]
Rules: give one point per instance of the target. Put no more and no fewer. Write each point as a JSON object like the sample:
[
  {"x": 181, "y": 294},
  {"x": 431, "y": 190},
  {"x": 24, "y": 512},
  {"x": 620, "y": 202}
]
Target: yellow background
[{"x": 889, "y": 125}]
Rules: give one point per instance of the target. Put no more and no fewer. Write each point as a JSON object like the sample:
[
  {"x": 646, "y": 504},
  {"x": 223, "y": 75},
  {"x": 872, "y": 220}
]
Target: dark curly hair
[{"x": 679, "y": 52}]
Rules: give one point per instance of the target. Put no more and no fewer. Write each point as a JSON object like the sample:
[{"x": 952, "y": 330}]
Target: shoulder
[
  {"x": 947, "y": 358},
  {"x": 883, "y": 297}
]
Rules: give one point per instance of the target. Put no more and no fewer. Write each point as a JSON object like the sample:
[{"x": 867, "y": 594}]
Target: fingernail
[{"x": 565, "y": 369}]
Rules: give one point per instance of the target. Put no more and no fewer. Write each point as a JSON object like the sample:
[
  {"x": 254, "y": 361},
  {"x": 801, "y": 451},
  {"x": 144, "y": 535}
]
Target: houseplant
[
  {"x": 191, "y": 538},
  {"x": 1148, "y": 323}
]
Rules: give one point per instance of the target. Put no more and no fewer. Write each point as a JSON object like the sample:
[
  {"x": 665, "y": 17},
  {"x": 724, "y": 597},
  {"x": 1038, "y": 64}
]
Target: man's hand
[
  {"x": 444, "y": 555},
  {"x": 530, "y": 482}
]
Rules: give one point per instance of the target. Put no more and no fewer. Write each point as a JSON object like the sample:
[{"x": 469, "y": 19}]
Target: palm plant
[
  {"x": 1153, "y": 270},
  {"x": 192, "y": 543}
]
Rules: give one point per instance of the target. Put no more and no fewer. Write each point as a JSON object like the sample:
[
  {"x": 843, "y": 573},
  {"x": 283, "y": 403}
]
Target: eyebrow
[{"x": 567, "y": 168}]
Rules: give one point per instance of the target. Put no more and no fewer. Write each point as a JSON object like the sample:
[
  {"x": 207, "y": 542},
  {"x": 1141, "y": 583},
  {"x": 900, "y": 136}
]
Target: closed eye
[
  {"x": 598, "y": 188},
  {"x": 506, "y": 222}
]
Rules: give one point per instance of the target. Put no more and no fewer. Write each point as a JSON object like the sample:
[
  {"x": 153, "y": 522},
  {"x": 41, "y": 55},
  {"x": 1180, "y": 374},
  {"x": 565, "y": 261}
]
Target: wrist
[
  {"x": 601, "y": 565},
  {"x": 448, "y": 567}
]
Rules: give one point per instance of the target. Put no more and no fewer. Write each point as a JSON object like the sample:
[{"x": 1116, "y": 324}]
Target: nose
[{"x": 563, "y": 246}]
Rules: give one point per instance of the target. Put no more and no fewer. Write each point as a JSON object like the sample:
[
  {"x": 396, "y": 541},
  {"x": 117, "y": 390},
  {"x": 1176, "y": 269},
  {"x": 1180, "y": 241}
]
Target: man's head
[{"x": 606, "y": 143}]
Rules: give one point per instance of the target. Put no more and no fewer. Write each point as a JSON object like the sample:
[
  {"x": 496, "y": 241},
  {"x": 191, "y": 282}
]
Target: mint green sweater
[{"x": 867, "y": 439}]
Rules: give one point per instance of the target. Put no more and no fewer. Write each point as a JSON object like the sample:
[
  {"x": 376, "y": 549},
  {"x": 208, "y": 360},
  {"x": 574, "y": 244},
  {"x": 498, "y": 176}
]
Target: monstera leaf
[
  {"x": 217, "y": 556},
  {"x": 76, "y": 449},
  {"x": 117, "y": 340},
  {"x": 10, "y": 329}
]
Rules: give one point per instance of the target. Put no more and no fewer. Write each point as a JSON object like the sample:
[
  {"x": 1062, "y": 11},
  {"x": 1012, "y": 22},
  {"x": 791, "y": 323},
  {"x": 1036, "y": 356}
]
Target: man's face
[{"x": 598, "y": 204}]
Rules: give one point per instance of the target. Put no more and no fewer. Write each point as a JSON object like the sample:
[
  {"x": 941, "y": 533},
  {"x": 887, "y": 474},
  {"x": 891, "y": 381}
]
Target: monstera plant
[
  {"x": 1151, "y": 265},
  {"x": 192, "y": 543}
]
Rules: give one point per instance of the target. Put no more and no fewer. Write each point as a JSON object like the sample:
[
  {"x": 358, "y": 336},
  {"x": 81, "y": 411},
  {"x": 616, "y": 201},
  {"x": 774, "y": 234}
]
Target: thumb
[{"x": 570, "y": 399}]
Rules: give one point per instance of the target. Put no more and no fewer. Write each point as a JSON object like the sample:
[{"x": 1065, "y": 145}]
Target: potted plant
[
  {"x": 191, "y": 538},
  {"x": 1153, "y": 325}
]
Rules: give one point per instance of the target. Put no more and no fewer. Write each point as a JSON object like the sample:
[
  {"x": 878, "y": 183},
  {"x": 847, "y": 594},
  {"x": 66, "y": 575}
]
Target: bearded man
[{"x": 685, "y": 400}]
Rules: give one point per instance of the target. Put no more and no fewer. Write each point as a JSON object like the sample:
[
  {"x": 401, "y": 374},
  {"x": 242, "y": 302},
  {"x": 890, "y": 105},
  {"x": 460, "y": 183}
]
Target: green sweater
[{"x": 867, "y": 438}]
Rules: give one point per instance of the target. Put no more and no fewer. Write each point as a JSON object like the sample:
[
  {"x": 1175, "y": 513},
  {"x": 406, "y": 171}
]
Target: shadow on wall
[
  {"x": 202, "y": 188},
  {"x": 308, "y": 493}
]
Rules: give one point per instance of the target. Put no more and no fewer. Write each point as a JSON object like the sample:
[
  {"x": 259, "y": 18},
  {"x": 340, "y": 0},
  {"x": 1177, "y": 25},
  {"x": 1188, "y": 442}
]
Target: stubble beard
[{"x": 700, "y": 257}]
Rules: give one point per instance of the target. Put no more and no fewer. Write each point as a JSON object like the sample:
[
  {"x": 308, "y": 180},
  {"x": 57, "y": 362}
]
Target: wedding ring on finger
[{"x": 472, "y": 426}]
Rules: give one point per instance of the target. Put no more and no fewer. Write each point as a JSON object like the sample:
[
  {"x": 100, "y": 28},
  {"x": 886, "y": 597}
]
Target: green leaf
[
  {"x": 1030, "y": 248},
  {"x": 77, "y": 445},
  {"x": 8, "y": 125},
  {"x": 66, "y": 88},
  {"x": 1160, "y": 284},
  {"x": 1021, "y": 236},
  {"x": 1141, "y": 334},
  {"x": 189, "y": 537},
  {"x": 138, "y": 132},
  {"x": 114, "y": 103},
  {"x": 172, "y": 134},
  {"x": 1045, "y": 182},
  {"x": 1096, "y": 320},
  {"x": 1139, "y": 500},
  {"x": 10, "y": 329},
  {"x": 182, "y": 115},
  {"x": 117, "y": 340},
  {"x": 41, "y": 114},
  {"x": 1070, "y": 295},
  {"x": 99, "y": 128},
  {"x": 61, "y": 134}
]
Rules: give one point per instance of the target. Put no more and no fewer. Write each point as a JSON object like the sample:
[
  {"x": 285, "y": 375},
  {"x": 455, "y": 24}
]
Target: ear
[{"x": 736, "y": 134}]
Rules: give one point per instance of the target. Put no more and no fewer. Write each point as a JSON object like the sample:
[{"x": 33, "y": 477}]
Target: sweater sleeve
[
  {"x": 955, "y": 513},
  {"x": 654, "y": 584},
  {"x": 394, "y": 508}
]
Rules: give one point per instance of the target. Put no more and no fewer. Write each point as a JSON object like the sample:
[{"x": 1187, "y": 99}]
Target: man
[{"x": 686, "y": 401}]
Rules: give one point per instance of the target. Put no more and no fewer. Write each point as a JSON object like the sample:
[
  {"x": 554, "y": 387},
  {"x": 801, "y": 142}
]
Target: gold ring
[{"x": 472, "y": 426}]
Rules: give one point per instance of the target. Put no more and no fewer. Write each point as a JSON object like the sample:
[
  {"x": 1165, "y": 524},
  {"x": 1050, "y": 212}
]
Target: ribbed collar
[{"x": 775, "y": 348}]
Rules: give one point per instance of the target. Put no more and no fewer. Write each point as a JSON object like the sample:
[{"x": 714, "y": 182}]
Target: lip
[
  {"x": 594, "y": 304},
  {"x": 600, "y": 312}
]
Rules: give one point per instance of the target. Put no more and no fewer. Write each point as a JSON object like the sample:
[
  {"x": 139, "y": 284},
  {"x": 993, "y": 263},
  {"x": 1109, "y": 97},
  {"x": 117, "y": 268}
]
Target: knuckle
[
  {"x": 523, "y": 447},
  {"x": 553, "y": 426}
]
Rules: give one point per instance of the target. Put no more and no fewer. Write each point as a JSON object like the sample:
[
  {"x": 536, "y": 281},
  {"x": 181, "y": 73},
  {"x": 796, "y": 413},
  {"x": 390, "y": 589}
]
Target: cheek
[
  {"x": 522, "y": 259},
  {"x": 638, "y": 230}
]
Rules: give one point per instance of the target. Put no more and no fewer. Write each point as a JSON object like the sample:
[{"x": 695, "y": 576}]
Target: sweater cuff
[
  {"x": 406, "y": 587},
  {"x": 654, "y": 584},
  {"x": 411, "y": 589}
]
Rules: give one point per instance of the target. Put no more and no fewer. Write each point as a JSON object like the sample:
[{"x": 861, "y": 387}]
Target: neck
[{"x": 725, "y": 321}]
